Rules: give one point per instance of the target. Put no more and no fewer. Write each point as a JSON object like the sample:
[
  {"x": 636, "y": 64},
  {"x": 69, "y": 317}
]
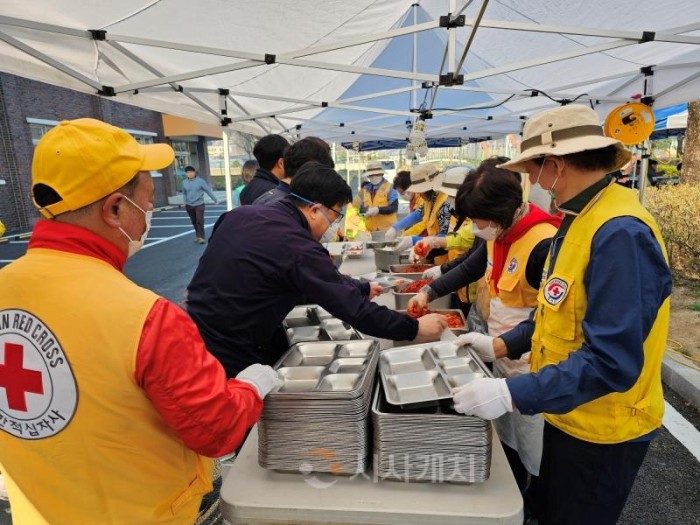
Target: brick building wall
[{"x": 20, "y": 99}]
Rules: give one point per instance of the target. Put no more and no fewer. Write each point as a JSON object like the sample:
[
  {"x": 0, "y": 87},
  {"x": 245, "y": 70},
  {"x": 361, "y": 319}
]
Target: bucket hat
[
  {"x": 374, "y": 167},
  {"x": 564, "y": 130},
  {"x": 425, "y": 177},
  {"x": 453, "y": 179}
]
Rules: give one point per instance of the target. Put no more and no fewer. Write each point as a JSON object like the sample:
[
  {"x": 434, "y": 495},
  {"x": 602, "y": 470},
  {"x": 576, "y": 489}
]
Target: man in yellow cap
[{"x": 110, "y": 403}]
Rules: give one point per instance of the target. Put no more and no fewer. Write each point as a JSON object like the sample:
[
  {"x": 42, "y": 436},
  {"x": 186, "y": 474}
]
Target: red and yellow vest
[
  {"x": 618, "y": 416},
  {"x": 431, "y": 211},
  {"x": 115, "y": 460},
  {"x": 513, "y": 288},
  {"x": 380, "y": 200}
]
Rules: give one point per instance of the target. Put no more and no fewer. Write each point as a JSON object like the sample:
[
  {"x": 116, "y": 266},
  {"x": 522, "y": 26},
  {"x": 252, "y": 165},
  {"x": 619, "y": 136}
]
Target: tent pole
[
  {"x": 415, "y": 57},
  {"x": 452, "y": 41},
  {"x": 647, "y": 99},
  {"x": 227, "y": 170}
]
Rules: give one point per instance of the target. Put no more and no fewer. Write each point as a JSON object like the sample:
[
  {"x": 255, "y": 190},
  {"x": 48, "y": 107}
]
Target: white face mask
[
  {"x": 375, "y": 179},
  {"x": 490, "y": 233},
  {"x": 537, "y": 182},
  {"x": 136, "y": 245}
]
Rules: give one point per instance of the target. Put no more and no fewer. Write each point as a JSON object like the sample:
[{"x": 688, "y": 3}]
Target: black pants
[
  {"x": 583, "y": 483},
  {"x": 196, "y": 214}
]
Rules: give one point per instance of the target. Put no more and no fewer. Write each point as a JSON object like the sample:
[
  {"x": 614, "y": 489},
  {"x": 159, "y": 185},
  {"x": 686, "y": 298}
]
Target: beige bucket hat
[
  {"x": 453, "y": 179},
  {"x": 560, "y": 131},
  {"x": 374, "y": 167},
  {"x": 425, "y": 177}
]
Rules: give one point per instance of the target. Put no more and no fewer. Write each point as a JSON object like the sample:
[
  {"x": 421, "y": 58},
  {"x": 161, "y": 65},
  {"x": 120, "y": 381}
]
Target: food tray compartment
[
  {"x": 338, "y": 330},
  {"x": 300, "y": 379},
  {"x": 301, "y": 316},
  {"x": 462, "y": 379},
  {"x": 347, "y": 365},
  {"x": 339, "y": 382},
  {"x": 301, "y": 334},
  {"x": 356, "y": 349},
  {"x": 417, "y": 387},
  {"x": 310, "y": 355},
  {"x": 407, "y": 360}
]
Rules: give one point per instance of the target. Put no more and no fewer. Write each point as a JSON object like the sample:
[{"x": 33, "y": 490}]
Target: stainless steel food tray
[
  {"x": 313, "y": 323},
  {"x": 327, "y": 368},
  {"x": 424, "y": 374}
]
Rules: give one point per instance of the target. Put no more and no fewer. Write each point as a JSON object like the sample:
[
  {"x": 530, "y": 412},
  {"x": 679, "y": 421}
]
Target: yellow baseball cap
[{"x": 85, "y": 159}]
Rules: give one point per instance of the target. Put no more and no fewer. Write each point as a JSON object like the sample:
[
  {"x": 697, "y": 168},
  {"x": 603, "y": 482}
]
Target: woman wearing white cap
[
  {"x": 378, "y": 200},
  {"x": 434, "y": 212},
  {"x": 598, "y": 334}
]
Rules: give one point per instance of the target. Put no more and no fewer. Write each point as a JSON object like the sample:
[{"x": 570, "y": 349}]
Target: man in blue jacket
[
  {"x": 193, "y": 190},
  {"x": 265, "y": 259}
]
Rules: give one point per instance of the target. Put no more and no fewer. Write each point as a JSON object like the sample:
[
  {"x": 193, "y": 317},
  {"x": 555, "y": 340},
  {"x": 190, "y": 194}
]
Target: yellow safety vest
[
  {"x": 466, "y": 294},
  {"x": 381, "y": 200},
  {"x": 618, "y": 416},
  {"x": 81, "y": 442},
  {"x": 431, "y": 210}
]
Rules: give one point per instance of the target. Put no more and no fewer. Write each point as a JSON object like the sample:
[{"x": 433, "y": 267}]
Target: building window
[{"x": 39, "y": 128}]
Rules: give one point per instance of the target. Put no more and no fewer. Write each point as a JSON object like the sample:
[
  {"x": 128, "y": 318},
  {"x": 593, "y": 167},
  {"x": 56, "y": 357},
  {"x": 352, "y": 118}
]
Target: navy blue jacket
[
  {"x": 259, "y": 265},
  {"x": 275, "y": 194},
  {"x": 262, "y": 182}
]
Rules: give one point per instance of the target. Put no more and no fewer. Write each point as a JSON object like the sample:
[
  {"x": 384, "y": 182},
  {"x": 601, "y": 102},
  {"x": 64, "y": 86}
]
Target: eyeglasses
[{"x": 340, "y": 214}]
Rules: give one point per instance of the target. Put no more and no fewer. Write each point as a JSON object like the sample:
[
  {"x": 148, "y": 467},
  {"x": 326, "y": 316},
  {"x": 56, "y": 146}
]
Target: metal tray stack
[
  {"x": 417, "y": 434},
  {"x": 313, "y": 323},
  {"x": 318, "y": 419},
  {"x": 429, "y": 445}
]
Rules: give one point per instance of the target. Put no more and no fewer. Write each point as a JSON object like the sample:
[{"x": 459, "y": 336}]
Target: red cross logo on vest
[
  {"x": 17, "y": 380},
  {"x": 38, "y": 391}
]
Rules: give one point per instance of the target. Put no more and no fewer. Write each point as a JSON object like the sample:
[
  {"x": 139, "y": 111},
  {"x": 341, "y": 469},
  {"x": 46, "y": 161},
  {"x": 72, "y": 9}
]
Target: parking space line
[
  {"x": 189, "y": 232},
  {"x": 682, "y": 430}
]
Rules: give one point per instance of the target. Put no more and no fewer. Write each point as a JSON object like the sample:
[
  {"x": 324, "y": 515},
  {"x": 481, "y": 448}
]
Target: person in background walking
[
  {"x": 193, "y": 190},
  {"x": 247, "y": 174}
]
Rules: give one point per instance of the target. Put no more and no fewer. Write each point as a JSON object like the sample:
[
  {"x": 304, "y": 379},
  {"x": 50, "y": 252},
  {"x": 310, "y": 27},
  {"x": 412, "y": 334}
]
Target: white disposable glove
[
  {"x": 483, "y": 397},
  {"x": 432, "y": 273},
  {"x": 391, "y": 234},
  {"x": 371, "y": 212},
  {"x": 263, "y": 377},
  {"x": 404, "y": 244},
  {"x": 483, "y": 344}
]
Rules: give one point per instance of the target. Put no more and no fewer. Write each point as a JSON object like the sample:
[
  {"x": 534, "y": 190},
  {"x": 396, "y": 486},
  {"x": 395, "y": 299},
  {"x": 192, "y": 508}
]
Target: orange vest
[{"x": 81, "y": 442}]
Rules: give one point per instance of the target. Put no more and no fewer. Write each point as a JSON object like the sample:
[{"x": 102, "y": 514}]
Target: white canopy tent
[{"x": 348, "y": 70}]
